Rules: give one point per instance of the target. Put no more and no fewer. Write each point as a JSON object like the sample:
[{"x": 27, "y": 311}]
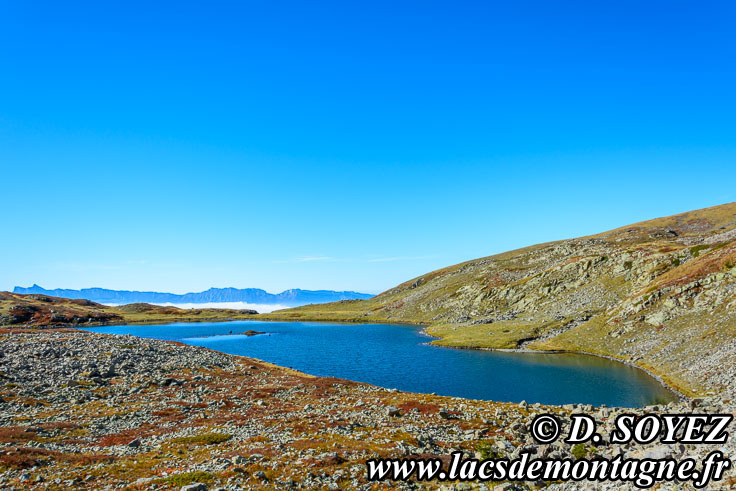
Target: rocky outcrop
[{"x": 42, "y": 310}]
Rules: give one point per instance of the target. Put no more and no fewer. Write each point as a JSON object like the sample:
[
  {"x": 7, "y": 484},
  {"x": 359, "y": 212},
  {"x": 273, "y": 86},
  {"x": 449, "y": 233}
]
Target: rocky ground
[{"x": 99, "y": 411}]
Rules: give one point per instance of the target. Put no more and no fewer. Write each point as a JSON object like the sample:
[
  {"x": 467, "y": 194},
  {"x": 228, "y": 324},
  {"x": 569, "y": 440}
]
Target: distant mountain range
[{"x": 292, "y": 297}]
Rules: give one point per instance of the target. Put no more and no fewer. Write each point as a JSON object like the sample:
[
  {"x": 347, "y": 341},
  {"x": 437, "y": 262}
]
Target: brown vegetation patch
[
  {"x": 255, "y": 393},
  {"x": 330, "y": 460},
  {"x": 336, "y": 423},
  {"x": 127, "y": 436},
  {"x": 30, "y": 401},
  {"x": 323, "y": 385},
  {"x": 421, "y": 407},
  {"x": 170, "y": 415},
  {"x": 189, "y": 405},
  {"x": 718, "y": 260},
  {"x": 16, "y": 434},
  {"x": 306, "y": 443},
  {"x": 25, "y": 457},
  {"x": 492, "y": 281}
]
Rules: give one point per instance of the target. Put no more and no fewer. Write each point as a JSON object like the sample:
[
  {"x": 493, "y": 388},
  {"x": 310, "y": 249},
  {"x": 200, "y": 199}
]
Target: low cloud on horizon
[{"x": 260, "y": 308}]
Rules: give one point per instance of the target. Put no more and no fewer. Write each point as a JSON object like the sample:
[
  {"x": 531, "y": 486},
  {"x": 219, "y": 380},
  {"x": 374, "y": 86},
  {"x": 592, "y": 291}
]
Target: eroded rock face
[{"x": 19, "y": 314}]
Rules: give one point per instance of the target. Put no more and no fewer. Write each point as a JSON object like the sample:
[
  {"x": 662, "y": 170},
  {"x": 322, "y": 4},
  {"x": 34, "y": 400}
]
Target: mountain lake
[{"x": 400, "y": 357}]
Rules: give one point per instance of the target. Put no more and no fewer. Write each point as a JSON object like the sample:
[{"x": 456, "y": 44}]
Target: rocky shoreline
[{"x": 81, "y": 409}]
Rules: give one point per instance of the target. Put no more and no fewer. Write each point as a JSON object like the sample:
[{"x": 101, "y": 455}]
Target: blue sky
[{"x": 346, "y": 145}]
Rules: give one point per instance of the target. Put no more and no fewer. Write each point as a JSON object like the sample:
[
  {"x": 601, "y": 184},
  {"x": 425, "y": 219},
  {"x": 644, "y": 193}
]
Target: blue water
[{"x": 396, "y": 356}]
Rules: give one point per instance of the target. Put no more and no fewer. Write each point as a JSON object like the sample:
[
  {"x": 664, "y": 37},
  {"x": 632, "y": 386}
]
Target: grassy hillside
[
  {"x": 660, "y": 294},
  {"x": 17, "y": 310}
]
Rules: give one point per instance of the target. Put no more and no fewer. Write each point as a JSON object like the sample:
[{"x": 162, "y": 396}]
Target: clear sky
[{"x": 346, "y": 145}]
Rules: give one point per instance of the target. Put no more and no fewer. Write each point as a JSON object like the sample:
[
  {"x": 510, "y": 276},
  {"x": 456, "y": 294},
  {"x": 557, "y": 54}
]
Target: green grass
[
  {"x": 186, "y": 478},
  {"x": 695, "y": 251},
  {"x": 206, "y": 439},
  {"x": 579, "y": 451},
  {"x": 486, "y": 451},
  {"x": 169, "y": 314},
  {"x": 499, "y": 335}
]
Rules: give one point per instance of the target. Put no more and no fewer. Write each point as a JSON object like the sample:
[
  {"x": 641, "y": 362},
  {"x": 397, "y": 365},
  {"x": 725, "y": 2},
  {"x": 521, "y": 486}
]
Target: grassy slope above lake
[{"x": 660, "y": 294}]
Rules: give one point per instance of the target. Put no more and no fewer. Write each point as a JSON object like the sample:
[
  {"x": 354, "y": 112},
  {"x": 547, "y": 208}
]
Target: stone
[
  {"x": 197, "y": 486},
  {"x": 659, "y": 452},
  {"x": 239, "y": 460}
]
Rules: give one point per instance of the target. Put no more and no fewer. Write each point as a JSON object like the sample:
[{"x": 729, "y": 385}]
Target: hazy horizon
[{"x": 262, "y": 308}]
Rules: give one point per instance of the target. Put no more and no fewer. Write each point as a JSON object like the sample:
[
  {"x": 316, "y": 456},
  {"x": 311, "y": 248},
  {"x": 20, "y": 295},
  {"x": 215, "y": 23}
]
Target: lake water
[{"x": 397, "y": 356}]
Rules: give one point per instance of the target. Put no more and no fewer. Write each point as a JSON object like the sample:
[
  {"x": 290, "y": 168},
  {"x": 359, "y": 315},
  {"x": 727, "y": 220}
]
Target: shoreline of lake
[{"x": 530, "y": 366}]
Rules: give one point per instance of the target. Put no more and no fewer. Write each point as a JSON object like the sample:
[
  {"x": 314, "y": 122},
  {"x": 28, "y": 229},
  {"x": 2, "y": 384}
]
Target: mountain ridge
[{"x": 291, "y": 297}]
